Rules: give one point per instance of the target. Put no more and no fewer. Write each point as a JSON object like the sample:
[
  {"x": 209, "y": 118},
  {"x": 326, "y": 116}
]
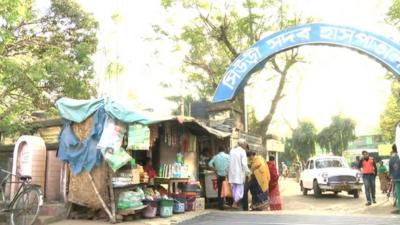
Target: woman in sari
[
  {"x": 383, "y": 177},
  {"x": 259, "y": 181},
  {"x": 273, "y": 191}
]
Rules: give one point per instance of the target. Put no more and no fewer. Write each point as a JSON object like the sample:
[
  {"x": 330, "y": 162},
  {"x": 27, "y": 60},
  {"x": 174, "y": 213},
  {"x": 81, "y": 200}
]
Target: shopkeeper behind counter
[
  {"x": 148, "y": 168},
  {"x": 205, "y": 157}
]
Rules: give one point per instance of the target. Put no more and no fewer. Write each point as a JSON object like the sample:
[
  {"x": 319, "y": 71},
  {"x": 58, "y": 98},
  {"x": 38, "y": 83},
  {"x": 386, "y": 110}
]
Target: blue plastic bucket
[{"x": 179, "y": 205}]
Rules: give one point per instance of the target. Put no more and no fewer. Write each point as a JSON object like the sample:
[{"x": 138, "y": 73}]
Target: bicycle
[
  {"x": 24, "y": 205},
  {"x": 392, "y": 195}
]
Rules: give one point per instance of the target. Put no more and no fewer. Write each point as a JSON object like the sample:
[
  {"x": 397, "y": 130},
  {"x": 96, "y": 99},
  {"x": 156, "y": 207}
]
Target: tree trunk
[{"x": 264, "y": 124}]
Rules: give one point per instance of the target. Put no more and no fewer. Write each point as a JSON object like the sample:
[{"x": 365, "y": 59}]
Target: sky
[{"x": 335, "y": 80}]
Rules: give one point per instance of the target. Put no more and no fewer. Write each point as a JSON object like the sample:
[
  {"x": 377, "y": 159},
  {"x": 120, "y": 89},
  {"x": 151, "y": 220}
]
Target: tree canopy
[
  {"x": 303, "y": 139},
  {"x": 391, "y": 115},
  {"x": 336, "y": 137},
  {"x": 43, "y": 55},
  {"x": 219, "y": 31}
]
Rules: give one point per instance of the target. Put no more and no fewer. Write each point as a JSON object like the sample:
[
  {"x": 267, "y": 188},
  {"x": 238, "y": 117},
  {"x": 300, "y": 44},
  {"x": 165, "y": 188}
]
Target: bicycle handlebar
[{"x": 8, "y": 172}]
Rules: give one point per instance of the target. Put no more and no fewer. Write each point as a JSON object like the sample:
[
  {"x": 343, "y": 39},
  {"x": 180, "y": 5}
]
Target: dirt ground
[{"x": 295, "y": 202}]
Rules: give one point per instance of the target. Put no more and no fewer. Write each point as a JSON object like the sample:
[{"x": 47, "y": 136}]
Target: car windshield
[{"x": 325, "y": 163}]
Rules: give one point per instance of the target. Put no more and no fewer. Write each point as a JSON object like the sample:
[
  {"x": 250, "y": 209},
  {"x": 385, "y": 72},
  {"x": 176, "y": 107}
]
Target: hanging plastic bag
[
  {"x": 116, "y": 158},
  {"x": 226, "y": 189},
  {"x": 113, "y": 134},
  {"x": 138, "y": 137}
]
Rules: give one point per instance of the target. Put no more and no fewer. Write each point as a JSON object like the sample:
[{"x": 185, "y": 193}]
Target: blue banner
[{"x": 384, "y": 50}]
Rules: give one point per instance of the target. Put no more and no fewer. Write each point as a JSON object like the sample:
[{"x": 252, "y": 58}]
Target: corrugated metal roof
[{"x": 190, "y": 121}]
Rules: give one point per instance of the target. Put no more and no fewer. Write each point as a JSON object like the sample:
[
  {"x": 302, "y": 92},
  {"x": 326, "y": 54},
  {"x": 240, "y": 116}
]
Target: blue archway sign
[{"x": 384, "y": 50}]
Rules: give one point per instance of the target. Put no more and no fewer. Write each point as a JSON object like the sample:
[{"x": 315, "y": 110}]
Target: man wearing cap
[{"x": 237, "y": 171}]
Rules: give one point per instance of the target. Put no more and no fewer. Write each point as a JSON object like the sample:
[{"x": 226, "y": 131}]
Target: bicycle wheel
[
  {"x": 392, "y": 195},
  {"x": 25, "y": 208}
]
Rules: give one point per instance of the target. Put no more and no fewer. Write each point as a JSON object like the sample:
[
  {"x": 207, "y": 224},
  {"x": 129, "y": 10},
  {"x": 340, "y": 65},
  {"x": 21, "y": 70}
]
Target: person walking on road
[
  {"x": 394, "y": 173},
  {"x": 383, "y": 177},
  {"x": 369, "y": 171},
  {"x": 285, "y": 170},
  {"x": 237, "y": 171},
  {"x": 273, "y": 192},
  {"x": 220, "y": 164}
]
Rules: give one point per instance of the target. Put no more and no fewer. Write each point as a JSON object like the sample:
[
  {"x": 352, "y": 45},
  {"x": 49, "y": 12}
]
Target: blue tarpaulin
[
  {"x": 81, "y": 154},
  {"x": 79, "y": 110},
  {"x": 85, "y": 154}
]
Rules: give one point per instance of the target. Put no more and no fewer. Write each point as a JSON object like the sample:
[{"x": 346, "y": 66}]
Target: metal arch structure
[{"x": 382, "y": 49}]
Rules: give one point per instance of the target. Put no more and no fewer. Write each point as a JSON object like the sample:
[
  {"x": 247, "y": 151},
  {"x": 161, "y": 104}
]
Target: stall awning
[
  {"x": 79, "y": 110},
  {"x": 217, "y": 133},
  {"x": 192, "y": 124}
]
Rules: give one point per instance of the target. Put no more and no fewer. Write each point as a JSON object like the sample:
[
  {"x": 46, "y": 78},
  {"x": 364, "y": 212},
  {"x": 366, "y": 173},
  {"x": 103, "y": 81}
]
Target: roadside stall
[
  {"x": 179, "y": 153},
  {"x": 95, "y": 143},
  {"x": 123, "y": 164}
]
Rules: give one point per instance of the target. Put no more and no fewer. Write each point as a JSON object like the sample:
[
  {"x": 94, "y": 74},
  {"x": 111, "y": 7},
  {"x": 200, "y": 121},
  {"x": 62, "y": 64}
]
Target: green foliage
[
  {"x": 303, "y": 139},
  {"x": 393, "y": 16},
  {"x": 336, "y": 137},
  {"x": 218, "y": 33},
  {"x": 183, "y": 104},
  {"x": 113, "y": 70},
  {"x": 42, "y": 56},
  {"x": 391, "y": 116},
  {"x": 289, "y": 155}
]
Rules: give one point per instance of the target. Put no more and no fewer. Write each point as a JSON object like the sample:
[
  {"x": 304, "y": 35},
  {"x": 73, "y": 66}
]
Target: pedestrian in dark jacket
[
  {"x": 394, "y": 173},
  {"x": 369, "y": 172}
]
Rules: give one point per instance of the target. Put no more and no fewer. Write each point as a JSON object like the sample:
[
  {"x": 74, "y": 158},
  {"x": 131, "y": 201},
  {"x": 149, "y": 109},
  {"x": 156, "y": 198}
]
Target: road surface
[
  {"x": 240, "y": 218},
  {"x": 295, "y": 202}
]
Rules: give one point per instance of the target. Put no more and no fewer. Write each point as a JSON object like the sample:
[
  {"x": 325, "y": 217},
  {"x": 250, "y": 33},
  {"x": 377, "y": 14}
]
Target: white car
[{"x": 330, "y": 173}]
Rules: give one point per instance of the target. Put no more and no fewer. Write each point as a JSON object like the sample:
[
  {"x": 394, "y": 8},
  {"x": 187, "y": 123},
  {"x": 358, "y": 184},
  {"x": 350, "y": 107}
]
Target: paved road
[
  {"x": 231, "y": 218},
  {"x": 295, "y": 202}
]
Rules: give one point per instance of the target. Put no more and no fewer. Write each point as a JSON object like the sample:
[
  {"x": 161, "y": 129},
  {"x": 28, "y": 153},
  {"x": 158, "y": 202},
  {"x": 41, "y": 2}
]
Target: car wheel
[
  {"x": 356, "y": 194},
  {"x": 304, "y": 190},
  {"x": 316, "y": 189}
]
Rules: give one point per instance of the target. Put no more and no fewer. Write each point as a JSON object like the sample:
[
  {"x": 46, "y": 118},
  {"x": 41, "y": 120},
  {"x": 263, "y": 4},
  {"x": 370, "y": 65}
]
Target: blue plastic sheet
[
  {"x": 79, "y": 110},
  {"x": 81, "y": 154}
]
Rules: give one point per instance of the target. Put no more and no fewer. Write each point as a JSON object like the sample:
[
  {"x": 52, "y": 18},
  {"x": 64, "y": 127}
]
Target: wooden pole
[
  {"x": 101, "y": 199},
  {"x": 112, "y": 197}
]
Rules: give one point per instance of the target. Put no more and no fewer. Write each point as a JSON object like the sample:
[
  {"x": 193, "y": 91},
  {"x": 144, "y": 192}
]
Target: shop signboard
[
  {"x": 384, "y": 149},
  {"x": 255, "y": 143},
  {"x": 382, "y": 49},
  {"x": 275, "y": 146}
]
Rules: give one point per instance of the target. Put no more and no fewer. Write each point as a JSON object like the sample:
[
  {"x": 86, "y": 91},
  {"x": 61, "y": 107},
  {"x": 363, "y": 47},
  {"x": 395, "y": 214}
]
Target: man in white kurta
[{"x": 237, "y": 171}]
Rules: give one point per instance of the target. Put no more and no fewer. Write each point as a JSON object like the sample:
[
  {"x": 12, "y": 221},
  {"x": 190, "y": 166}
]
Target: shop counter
[
  {"x": 210, "y": 184},
  {"x": 172, "y": 182}
]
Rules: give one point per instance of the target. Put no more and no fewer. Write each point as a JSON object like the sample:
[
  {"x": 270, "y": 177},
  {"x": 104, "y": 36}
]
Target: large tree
[
  {"x": 336, "y": 137},
  {"x": 219, "y": 31},
  {"x": 391, "y": 116},
  {"x": 303, "y": 139},
  {"x": 42, "y": 55}
]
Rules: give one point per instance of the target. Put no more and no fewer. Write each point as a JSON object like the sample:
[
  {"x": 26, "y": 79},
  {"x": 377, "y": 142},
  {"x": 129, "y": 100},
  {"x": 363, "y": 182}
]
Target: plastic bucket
[
  {"x": 179, "y": 205},
  {"x": 166, "y": 207},
  {"x": 151, "y": 210},
  {"x": 191, "y": 203}
]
